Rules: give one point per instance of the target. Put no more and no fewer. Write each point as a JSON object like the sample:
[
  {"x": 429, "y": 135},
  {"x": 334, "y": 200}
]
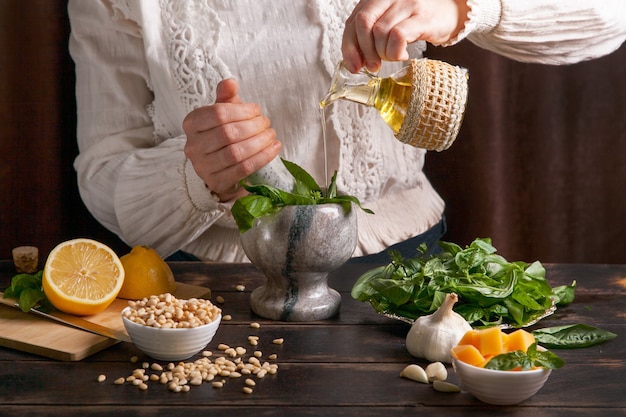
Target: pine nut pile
[
  {"x": 231, "y": 364},
  {"x": 167, "y": 311}
]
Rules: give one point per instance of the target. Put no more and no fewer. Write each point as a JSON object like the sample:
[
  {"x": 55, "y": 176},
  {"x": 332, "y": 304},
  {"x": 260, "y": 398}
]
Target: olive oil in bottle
[
  {"x": 390, "y": 96},
  {"x": 423, "y": 103}
]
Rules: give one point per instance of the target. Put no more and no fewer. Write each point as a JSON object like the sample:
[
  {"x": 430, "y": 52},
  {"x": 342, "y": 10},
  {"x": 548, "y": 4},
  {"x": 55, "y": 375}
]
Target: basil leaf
[
  {"x": 565, "y": 294},
  {"x": 27, "y": 290},
  {"x": 533, "y": 358},
  {"x": 481, "y": 278},
  {"x": 571, "y": 336},
  {"x": 301, "y": 176},
  {"x": 29, "y": 297},
  {"x": 246, "y": 209},
  {"x": 265, "y": 199}
]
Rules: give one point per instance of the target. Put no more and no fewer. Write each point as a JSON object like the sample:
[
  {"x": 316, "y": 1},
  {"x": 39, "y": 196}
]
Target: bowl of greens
[{"x": 492, "y": 291}]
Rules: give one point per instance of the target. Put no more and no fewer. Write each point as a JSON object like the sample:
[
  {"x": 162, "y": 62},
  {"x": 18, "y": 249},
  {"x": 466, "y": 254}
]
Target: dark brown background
[{"x": 539, "y": 165}]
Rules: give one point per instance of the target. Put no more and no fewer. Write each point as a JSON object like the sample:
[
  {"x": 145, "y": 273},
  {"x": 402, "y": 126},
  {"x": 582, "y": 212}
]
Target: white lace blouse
[{"x": 142, "y": 65}]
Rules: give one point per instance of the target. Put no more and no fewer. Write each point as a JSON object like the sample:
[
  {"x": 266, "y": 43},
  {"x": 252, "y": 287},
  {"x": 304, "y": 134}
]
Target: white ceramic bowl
[
  {"x": 170, "y": 344},
  {"x": 500, "y": 387}
]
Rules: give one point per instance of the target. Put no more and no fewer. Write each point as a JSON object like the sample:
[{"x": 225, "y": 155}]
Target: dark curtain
[
  {"x": 540, "y": 163},
  {"x": 538, "y": 166},
  {"x": 39, "y": 203}
]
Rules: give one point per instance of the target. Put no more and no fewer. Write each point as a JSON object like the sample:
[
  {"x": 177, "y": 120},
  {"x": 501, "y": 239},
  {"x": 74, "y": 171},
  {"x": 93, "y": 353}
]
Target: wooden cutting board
[{"x": 34, "y": 334}]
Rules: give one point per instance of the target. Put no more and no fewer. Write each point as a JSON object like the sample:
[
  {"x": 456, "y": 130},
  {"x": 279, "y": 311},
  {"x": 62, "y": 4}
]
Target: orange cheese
[
  {"x": 477, "y": 347},
  {"x": 520, "y": 340},
  {"x": 468, "y": 354}
]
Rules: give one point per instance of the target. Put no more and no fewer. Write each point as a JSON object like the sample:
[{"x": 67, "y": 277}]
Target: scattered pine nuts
[
  {"x": 255, "y": 325},
  {"x": 278, "y": 341},
  {"x": 227, "y": 317},
  {"x": 102, "y": 378},
  {"x": 229, "y": 364}
]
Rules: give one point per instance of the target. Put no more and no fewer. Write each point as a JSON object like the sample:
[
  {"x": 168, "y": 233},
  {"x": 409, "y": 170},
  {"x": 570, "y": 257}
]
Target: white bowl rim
[{"x": 170, "y": 329}]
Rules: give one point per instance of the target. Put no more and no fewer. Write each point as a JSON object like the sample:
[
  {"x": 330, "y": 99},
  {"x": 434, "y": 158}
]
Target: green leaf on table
[{"x": 571, "y": 336}]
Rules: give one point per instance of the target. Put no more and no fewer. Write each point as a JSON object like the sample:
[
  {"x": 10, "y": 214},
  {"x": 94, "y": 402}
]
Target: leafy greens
[
  {"x": 264, "y": 199},
  {"x": 492, "y": 291},
  {"x": 533, "y": 358},
  {"x": 27, "y": 290}
]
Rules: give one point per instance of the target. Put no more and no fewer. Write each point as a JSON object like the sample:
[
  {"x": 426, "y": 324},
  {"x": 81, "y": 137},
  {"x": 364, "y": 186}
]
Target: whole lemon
[{"x": 146, "y": 274}]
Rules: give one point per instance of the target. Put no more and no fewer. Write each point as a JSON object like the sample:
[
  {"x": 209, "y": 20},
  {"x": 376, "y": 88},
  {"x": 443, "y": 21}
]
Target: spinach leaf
[{"x": 571, "y": 336}]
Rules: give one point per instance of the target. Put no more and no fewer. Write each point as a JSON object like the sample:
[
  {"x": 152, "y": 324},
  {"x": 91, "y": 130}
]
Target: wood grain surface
[{"x": 345, "y": 366}]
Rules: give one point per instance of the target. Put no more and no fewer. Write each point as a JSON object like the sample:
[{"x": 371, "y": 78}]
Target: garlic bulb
[{"x": 431, "y": 337}]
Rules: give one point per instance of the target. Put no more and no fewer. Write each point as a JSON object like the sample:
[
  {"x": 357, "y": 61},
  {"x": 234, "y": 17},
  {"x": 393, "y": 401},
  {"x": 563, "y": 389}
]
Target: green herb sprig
[
  {"x": 492, "y": 291},
  {"x": 532, "y": 358},
  {"x": 264, "y": 200},
  {"x": 27, "y": 290}
]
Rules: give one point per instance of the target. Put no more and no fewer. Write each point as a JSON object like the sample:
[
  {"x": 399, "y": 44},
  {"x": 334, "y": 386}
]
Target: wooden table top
[{"x": 345, "y": 366}]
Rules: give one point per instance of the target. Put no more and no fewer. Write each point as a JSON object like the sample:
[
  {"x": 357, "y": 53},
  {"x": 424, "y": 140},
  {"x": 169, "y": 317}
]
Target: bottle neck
[{"x": 360, "y": 88}]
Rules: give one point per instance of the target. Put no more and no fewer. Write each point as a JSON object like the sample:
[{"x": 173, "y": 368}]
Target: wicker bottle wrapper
[{"x": 436, "y": 106}]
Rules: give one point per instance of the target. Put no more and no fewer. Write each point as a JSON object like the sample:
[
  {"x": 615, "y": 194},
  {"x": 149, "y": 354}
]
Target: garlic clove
[
  {"x": 415, "y": 373},
  {"x": 443, "y": 386},
  {"x": 436, "y": 371}
]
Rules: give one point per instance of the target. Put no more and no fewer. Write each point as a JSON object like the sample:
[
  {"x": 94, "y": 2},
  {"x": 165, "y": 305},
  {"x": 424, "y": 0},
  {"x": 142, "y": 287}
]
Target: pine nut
[
  {"x": 255, "y": 325},
  {"x": 278, "y": 341},
  {"x": 240, "y": 287},
  {"x": 247, "y": 390},
  {"x": 119, "y": 381},
  {"x": 101, "y": 378}
]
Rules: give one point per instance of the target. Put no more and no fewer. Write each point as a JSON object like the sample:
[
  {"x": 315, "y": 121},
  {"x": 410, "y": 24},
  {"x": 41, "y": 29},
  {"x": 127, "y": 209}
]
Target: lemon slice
[{"x": 82, "y": 276}]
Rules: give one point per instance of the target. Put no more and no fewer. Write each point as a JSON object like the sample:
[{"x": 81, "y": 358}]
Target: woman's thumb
[{"x": 227, "y": 91}]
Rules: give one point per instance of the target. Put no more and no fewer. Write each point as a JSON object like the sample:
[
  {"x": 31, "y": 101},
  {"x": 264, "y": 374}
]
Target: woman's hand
[
  {"x": 228, "y": 141},
  {"x": 381, "y": 29}
]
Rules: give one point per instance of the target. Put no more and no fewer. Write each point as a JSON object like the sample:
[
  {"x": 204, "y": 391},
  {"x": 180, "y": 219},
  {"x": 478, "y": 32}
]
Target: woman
[{"x": 175, "y": 100}]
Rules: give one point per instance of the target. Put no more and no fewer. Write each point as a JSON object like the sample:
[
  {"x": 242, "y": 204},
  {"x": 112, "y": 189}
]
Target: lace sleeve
[{"x": 143, "y": 190}]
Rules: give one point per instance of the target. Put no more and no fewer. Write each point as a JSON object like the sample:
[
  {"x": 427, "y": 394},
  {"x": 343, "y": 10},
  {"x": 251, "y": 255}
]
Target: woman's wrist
[{"x": 476, "y": 16}]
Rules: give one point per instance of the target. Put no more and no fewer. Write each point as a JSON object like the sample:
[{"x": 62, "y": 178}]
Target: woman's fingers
[
  {"x": 381, "y": 29},
  {"x": 228, "y": 141}
]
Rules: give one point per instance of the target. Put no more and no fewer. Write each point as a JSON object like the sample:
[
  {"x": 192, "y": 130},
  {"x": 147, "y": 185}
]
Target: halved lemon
[{"x": 82, "y": 276}]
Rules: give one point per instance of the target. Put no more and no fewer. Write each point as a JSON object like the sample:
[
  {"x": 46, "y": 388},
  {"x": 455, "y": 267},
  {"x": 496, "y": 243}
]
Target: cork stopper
[
  {"x": 437, "y": 105},
  {"x": 25, "y": 259}
]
